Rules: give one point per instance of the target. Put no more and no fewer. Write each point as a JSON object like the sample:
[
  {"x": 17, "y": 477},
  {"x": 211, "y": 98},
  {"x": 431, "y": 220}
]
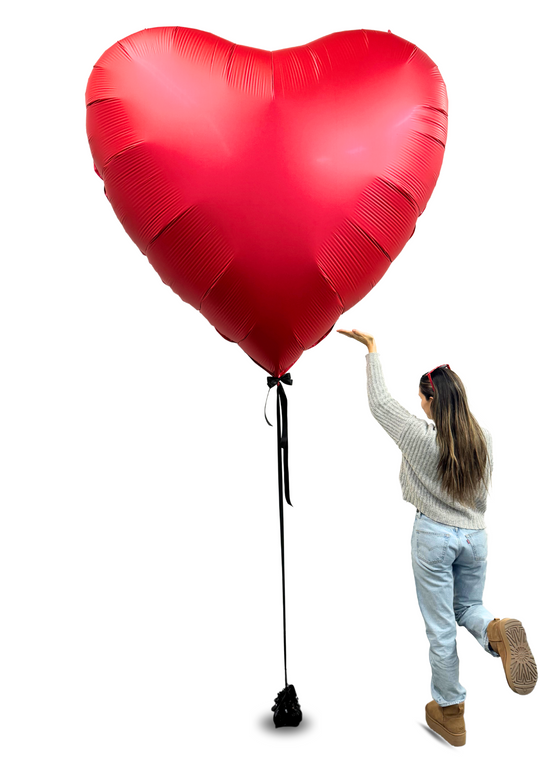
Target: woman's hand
[{"x": 365, "y": 339}]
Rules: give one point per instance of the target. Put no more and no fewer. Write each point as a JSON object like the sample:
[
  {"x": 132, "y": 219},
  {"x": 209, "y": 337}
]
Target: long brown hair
[{"x": 464, "y": 464}]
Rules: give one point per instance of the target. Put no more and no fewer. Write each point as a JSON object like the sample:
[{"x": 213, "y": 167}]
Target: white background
[{"x": 139, "y": 546}]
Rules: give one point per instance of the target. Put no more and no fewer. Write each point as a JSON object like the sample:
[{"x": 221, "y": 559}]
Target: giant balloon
[{"x": 270, "y": 190}]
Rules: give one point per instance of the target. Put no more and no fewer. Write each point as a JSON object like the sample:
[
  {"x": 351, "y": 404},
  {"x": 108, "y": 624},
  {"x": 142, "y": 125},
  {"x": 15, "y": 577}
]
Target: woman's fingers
[{"x": 355, "y": 335}]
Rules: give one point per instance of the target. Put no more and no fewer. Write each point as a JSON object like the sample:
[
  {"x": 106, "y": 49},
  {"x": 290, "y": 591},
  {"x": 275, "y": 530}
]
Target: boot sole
[
  {"x": 450, "y": 737},
  {"x": 519, "y": 665}
]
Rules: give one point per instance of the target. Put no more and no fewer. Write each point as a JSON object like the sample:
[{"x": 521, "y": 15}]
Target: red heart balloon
[{"x": 270, "y": 190}]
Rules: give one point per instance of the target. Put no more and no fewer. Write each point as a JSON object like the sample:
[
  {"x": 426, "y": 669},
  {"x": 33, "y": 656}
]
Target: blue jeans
[{"x": 449, "y": 567}]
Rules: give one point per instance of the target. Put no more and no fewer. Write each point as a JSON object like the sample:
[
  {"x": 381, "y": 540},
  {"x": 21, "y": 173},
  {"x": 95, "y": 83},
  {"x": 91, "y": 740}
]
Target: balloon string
[{"x": 283, "y": 483}]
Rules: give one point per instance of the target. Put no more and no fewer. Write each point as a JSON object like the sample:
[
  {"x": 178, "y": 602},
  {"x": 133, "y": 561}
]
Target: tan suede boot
[
  {"x": 447, "y": 721},
  {"x": 508, "y": 638}
]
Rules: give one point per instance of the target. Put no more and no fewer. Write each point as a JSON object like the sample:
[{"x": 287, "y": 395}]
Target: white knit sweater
[{"x": 416, "y": 439}]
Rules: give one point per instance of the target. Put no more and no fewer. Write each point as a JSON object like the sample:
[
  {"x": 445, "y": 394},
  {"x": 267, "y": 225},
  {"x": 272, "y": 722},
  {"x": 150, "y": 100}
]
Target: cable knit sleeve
[{"x": 387, "y": 411}]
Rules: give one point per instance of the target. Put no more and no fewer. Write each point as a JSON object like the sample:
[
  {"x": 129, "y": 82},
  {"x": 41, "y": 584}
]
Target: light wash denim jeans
[{"x": 449, "y": 567}]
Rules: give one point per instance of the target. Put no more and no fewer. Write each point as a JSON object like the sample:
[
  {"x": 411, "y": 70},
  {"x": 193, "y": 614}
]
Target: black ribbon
[
  {"x": 283, "y": 478},
  {"x": 283, "y": 430}
]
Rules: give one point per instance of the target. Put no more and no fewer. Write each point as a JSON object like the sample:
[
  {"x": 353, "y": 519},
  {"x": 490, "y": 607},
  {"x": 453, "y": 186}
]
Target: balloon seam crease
[
  {"x": 436, "y": 108},
  {"x": 171, "y": 223},
  {"x": 228, "y": 64},
  {"x": 214, "y": 283},
  {"x": 125, "y": 51},
  {"x": 102, "y": 100},
  {"x": 403, "y": 193},
  {"x": 328, "y": 280},
  {"x": 432, "y": 138},
  {"x": 122, "y": 151},
  {"x": 371, "y": 238}
]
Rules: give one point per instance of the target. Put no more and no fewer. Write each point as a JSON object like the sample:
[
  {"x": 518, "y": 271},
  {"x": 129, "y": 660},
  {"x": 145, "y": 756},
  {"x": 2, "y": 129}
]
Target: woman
[{"x": 445, "y": 472}]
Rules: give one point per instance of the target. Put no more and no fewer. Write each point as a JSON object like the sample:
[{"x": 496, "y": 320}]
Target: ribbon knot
[{"x": 273, "y": 381}]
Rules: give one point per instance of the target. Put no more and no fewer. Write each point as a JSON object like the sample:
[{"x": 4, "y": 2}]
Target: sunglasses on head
[{"x": 429, "y": 373}]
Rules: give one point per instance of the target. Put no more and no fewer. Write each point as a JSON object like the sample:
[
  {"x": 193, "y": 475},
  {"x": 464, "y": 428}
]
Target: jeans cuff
[
  {"x": 488, "y": 649},
  {"x": 460, "y": 699}
]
